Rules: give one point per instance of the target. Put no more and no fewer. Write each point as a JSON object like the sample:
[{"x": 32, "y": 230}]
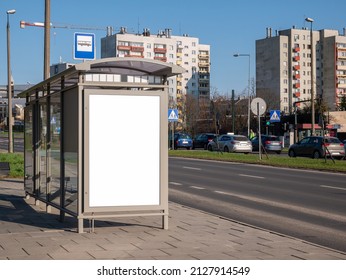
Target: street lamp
[
  {"x": 248, "y": 111},
  {"x": 9, "y": 85},
  {"x": 312, "y": 80}
]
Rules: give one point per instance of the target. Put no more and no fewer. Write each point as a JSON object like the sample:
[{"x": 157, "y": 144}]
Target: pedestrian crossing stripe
[
  {"x": 173, "y": 115},
  {"x": 275, "y": 116}
]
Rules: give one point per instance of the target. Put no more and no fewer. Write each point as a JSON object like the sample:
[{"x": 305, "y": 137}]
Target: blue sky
[{"x": 228, "y": 26}]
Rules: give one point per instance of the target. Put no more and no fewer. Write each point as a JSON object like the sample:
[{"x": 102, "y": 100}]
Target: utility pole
[{"x": 46, "y": 66}]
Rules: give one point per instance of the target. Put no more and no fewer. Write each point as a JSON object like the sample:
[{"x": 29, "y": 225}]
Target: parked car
[
  {"x": 270, "y": 143},
  {"x": 181, "y": 140},
  {"x": 202, "y": 140},
  {"x": 231, "y": 143},
  {"x": 317, "y": 147}
]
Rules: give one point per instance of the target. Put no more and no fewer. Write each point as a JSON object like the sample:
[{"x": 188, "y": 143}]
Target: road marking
[
  {"x": 192, "y": 168},
  {"x": 330, "y": 187},
  {"x": 176, "y": 184},
  {"x": 251, "y": 176},
  {"x": 219, "y": 192},
  {"x": 198, "y": 188}
]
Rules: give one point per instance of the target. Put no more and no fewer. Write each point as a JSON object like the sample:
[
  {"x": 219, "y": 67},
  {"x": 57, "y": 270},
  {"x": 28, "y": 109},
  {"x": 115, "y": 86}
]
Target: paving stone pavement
[{"x": 28, "y": 232}]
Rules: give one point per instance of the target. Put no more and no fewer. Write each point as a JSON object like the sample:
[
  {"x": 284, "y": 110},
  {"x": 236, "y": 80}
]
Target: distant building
[
  {"x": 184, "y": 51},
  {"x": 59, "y": 67},
  {"x": 283, "y": 67},
  {"x": 17, "y": 103}
]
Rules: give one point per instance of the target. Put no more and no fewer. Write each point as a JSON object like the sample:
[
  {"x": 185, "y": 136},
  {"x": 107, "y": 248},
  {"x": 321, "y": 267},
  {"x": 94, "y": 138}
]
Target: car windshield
[
  {"x": 273, "y": 138},
  {"x": 240, "y": 138},
  {"x": 183, "y": 136},
  {"x": 332, "y": 140}
]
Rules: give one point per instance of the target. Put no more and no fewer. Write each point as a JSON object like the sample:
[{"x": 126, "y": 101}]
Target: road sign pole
[{"x": 259, "y": 132}]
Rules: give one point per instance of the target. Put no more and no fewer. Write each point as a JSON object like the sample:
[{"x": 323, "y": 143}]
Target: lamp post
[
  {"x": 312, "y": 79},
  {"x": 46, "y": 62},
  {"x": 9, "y": 84},
  {"x": 248, "y": 111}
]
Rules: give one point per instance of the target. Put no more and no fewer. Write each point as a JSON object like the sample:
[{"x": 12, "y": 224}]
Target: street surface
[
  {"x": 309, "y": 205},
  {"x": 18, "y": 143}
]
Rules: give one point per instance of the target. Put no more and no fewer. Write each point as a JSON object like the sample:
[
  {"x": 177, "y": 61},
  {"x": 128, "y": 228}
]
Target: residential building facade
[
  {"x": 184, "y": 51},
  {"x": 284, "y": 64}
]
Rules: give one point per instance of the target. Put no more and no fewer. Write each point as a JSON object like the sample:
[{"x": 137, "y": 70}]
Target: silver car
[{"x": 230, "y": 143}]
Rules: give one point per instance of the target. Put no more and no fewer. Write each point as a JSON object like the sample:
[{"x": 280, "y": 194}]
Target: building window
[
  {"x": 285, "y": 45},
  {"x": 148, "y": 46}
]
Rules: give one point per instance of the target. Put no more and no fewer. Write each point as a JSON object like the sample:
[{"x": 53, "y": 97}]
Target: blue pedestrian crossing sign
[
  {"x": 274, "y": 116},
  {"x": 172, "y": 115}
]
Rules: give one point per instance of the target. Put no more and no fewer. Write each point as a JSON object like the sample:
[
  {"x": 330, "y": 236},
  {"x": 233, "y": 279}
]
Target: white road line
[
  {"x": 192, "y": 168},
  {"x": 219, "y": 192},
  {"x": 251, "y": 176},
  {"x": 176, "y": 184},
  {"x": 198, "y": 188},
  {"x": 330, "y": 187}
]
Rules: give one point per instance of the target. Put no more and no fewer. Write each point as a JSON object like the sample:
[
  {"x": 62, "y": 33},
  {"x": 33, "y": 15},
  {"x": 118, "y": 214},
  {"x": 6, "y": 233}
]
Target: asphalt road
[
  {"x": 18, "y": 144},
  {"x": 309, "y": 205}
]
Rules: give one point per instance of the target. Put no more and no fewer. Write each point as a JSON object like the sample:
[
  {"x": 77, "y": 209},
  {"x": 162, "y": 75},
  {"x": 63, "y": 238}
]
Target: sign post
[
  {"x": 173, "y": 117},
  {"x": 258, "y": 107}
]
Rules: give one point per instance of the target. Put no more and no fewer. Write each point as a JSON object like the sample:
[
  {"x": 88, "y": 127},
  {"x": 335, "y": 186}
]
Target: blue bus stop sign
[{"x": 84, "y": 46}]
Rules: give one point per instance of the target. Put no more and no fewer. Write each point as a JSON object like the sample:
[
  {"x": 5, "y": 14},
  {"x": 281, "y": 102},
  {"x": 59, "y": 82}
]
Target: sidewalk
[{"x": 28, "y": 232}]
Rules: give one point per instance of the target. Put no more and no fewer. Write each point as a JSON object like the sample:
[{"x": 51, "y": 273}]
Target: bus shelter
[{"x": 96, "y": 139}]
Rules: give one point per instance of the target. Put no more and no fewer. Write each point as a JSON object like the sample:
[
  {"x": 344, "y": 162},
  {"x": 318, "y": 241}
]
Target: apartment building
[
  {"x": 284, "y": 65},
  {"x": 184, "y": 51}
]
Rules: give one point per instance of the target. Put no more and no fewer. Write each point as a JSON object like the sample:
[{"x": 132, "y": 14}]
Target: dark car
[
  {"x": 202, "y": 140},
  {"x": 317, "y": 147},
  {"x": 181, "y": 140},
  {"x": 270, "y": 143}
]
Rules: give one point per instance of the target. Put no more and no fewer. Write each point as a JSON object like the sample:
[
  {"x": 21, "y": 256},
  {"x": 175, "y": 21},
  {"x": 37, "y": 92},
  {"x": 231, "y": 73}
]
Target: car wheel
[
  {"x": 205, "y": 146},
  {"x": 291, "y": 153},
  {"x": 225, "y": 149},
  {"x": 188, "y": 148},
  {"x": 278, "y": 152},
  {"x": 210, "y": 148},
  {"x": 316, "y": 154}
]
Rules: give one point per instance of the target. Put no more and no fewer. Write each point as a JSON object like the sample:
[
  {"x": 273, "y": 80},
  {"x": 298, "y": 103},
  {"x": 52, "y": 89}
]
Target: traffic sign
[
  {"x": 274, "y": 116},
  {"x": 258, "y": 106},
  {"x": 84, "y": 46},
  {"x": 172, "y": 115}
]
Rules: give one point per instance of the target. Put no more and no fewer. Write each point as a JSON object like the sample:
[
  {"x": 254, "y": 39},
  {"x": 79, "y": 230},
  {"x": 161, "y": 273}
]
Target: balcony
[
  {"x": 137, "y": 49},
  {"x": 296, "y": 85},
  {"x": 203, "y": 64},
  {"x": 296, "y": 49},
  {"x": 296, "y": 58},
  {"x": 160, "y": 50},
  {"x": 341, "y": 67},
  {"x": 296, "y": 67},
  {"x": 203, "y": 56},
  {"x": 296, "y": 94},
  {"x": 161, "y": 58},
  {"x": 296, "y": 76},
  {"x": 124, "y": 48},
  {"x": 179, "y": 62}
]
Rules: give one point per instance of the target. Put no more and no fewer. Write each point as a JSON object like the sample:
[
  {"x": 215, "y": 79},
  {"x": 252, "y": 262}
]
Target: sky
[{"x": 228, "y": 26}]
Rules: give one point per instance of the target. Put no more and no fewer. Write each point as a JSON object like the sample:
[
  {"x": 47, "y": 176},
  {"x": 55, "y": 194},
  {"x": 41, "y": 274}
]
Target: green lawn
[
  {"x": 272, "y": 160},
  {"x": 16, "y": 161}
]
